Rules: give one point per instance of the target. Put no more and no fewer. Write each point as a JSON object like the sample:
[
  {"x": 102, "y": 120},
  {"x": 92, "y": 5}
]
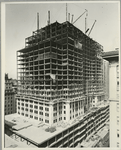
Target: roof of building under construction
[{"x": 47, "y": 27}]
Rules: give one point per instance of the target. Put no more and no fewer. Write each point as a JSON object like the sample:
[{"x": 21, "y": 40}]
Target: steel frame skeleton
[{"x": 54, "y": 69}]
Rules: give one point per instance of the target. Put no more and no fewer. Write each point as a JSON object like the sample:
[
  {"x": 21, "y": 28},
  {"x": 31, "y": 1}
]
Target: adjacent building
[
  {"x": 34, "y": 133},
  {"x": 10, "y": 93},
  {"x": 113, "y": 58},
  {"x": 100, "y": 139},
  {"x": 106, "y": 79},
  {"x": 60, "y": 74}
]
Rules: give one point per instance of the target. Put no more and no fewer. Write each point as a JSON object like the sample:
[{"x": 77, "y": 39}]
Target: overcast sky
[{"x": 20, "y": 21}]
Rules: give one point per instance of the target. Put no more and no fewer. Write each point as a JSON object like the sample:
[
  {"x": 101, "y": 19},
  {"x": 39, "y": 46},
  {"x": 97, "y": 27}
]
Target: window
[
  {"x": 26, "y": 109},
  {"x": 36, "y": 102},
  {"x": 41, "y": 108},
  {"x": 22, "y": 104},
  {"x": 117, "y": 108},
  {"x": 60, "y": 112},
  {"x": 31, "y": 116},
  {"x": 22, "y": 114},
  {"x": 64, "y": 118},
  {"x": 46, "y": 109},
  {"x": 64, "y": 112},
  {"x": 118, "y": 135},
  {"x": 36, "y": 118},
  {"x": 60, "y": 107},
  {"x": 31, "y": 106},
  {"x": 31, "y": 110},
  {"x": 117, "y": 144},
  {"x": 55, "y": 114},
  {"x": 36, "y": 107},
  {"x": 41, "y": 113},
  {"x": 47, "y": 121},
  {"x": 41, "y": 103},
  {"x": 22, "y": 108},
  {"x": 46, "y": 104},
  {"x": 46, "y": 114},
  {"x": 55, "y": 108},
  {"x": 54, "y": 120},
  {"x": 26, "y": 105},
  {"x": 36, "y": 112}
]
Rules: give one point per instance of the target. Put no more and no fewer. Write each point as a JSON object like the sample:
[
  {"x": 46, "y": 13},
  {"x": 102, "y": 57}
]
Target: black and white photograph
[{"x": 60, "y": 74}]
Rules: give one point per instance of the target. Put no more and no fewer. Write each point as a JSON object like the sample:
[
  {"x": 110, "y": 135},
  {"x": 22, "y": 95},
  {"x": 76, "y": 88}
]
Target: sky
[{"x": 21, "y": 21}]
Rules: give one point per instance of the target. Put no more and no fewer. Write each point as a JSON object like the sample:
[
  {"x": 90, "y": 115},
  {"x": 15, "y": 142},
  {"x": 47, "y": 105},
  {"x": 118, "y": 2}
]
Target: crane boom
[
  {"x": 79, "y": 16},
  {"x": 72, "y": 19},
  {"x": 92, "y": 27}
]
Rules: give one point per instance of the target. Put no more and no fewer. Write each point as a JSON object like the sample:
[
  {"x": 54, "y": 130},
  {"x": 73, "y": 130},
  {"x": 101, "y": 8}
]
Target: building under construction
[{"x": 59, "y": 74}]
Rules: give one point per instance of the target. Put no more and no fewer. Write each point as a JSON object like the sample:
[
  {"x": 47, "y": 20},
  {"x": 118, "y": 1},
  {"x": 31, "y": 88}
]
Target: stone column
[{"x": 51, "y": 113}]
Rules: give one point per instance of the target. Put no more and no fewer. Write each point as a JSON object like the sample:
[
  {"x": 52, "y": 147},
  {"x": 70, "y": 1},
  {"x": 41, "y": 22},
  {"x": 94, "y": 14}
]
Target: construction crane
[
  {"x": 87, "y": 30},
  {"x": 80, "y": 16},
  {"x": 92, "y": 27},
  {"x": 72, "y": 19},
  {"x": 69, "y": 17},
  {"x": 86, "y": 22}
]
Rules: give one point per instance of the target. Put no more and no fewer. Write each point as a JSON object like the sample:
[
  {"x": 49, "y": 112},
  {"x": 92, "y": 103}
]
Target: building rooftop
[
  {"x": 35, "y": 130},
  {"x": 11, "y": 143},
  {"x": 31, "y": 129},
  {"x": 95, "y": 139},
  {"x": 111, "y": 53}
]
